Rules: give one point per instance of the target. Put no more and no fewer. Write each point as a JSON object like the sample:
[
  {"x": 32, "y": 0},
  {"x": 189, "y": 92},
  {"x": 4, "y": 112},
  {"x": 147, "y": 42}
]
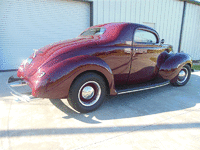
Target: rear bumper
[{"x": 20, "y": 89}]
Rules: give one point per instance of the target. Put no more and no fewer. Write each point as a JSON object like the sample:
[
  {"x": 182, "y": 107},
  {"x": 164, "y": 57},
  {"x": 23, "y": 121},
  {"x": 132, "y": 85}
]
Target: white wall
[
  {"x": 165, "y": 15},
  {"x": 191, "y": 31}
]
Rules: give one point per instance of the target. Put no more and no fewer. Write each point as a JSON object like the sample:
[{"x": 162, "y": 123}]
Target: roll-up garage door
[{"x": 32, "y": 24}]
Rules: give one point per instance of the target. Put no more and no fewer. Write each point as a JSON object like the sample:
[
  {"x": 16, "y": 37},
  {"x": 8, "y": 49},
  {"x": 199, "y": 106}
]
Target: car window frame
[{"x": 146, "y": 43}]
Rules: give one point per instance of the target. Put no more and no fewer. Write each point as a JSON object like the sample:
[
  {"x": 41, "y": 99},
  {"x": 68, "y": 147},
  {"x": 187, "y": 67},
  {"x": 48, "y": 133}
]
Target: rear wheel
[
  {"x": 183, "y": 76},
  {"x": 87, "y": 92}
]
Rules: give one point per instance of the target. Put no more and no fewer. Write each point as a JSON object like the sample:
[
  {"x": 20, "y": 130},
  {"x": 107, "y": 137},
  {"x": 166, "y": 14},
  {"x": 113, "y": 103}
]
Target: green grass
[{"x": 196, "y": 67}]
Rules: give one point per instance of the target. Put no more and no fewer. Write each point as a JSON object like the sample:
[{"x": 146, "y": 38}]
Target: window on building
[{"x": 152, "y": 25}]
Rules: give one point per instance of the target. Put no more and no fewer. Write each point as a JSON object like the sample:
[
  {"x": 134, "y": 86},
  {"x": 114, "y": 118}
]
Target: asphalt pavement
[{"x": 166, "y": 118}]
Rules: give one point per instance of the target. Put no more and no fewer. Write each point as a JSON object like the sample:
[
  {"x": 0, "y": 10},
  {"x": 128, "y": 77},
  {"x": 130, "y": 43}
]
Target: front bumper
[{"x": 20, "y": 89}]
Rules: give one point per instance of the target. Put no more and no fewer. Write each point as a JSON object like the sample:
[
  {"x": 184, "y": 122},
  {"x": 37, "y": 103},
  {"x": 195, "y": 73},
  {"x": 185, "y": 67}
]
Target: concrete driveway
[{"x": 165, "y": 118}]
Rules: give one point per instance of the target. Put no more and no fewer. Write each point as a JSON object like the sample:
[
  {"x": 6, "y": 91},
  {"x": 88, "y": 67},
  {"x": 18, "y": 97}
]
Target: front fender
[
  {"x": 173, "y": 64},
  {"x": 61, "y": 75}
]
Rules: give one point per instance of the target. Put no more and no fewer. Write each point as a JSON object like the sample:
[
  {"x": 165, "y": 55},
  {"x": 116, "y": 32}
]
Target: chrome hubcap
[
  {"x": 182, "y": 76},
  {"x": 88, "y": 92}
]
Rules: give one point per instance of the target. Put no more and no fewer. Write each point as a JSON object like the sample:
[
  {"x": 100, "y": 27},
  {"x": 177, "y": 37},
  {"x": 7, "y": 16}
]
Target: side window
[{"x": 142, "y": 36}]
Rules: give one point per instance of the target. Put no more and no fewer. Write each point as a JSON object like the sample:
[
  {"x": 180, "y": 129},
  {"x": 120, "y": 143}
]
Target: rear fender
[
  {"x": 171, "y": 67},
  {"x": 61, "y": 76}
]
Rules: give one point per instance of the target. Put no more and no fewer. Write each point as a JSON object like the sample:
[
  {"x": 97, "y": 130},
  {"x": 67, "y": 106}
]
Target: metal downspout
[{"x": 182, "y": 23}]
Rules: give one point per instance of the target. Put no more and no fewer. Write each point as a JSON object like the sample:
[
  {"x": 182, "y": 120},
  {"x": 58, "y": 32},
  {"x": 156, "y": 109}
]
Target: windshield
[{"x": 93, "y": 31}]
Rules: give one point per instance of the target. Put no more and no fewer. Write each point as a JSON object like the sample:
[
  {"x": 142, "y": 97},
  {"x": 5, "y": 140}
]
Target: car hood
[{"x": 47, "y": 53}]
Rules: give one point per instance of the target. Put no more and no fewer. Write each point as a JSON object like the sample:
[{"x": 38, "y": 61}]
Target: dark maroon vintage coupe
[{"x": 108, "y": 59}]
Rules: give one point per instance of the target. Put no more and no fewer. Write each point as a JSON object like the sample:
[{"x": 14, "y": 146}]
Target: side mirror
[{"x": 162, "y": 41}]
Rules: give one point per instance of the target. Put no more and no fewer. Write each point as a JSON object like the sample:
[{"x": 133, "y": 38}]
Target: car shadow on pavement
[
  {"x": 149, "y": 102},
  {"x": 71, "y": 113}
]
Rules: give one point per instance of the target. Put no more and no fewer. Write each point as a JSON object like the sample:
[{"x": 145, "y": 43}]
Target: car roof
[{"x": 123, "y": 23}]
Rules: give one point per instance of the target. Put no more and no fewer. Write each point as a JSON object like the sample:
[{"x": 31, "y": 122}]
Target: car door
[
  {"x": 146, "y": 49},
  {"x": 117, "y": 54}
]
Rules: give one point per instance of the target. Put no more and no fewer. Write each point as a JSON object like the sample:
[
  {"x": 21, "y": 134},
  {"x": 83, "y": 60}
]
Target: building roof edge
[{"x": 192, "y": 2}]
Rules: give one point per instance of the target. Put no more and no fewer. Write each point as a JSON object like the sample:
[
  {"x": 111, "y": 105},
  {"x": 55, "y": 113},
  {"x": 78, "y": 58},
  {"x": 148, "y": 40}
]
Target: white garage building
[{"x": 31, "y": 24}]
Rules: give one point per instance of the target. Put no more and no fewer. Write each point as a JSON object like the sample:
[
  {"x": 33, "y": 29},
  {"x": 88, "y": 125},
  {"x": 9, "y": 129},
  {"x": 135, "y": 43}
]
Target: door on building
[{"x": 28, "y": 25}]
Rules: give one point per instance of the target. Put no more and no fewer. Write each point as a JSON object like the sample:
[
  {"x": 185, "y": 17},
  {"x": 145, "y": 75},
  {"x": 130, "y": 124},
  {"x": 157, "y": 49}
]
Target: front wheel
[
  {"x": 183, "y": 76},
  {"x": 87, "y": 92}
]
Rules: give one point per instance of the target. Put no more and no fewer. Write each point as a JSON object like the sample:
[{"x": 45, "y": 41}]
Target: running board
[{"x": 141, "y": 88}]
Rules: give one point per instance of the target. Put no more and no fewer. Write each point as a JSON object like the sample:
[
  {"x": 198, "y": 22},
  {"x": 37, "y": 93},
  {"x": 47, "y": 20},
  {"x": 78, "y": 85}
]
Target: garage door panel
[{"x": 28, "y": 25}]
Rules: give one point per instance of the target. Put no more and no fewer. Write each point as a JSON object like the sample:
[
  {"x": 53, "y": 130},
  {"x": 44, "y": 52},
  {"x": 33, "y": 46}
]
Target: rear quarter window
[{"x": 93, "y": 31}]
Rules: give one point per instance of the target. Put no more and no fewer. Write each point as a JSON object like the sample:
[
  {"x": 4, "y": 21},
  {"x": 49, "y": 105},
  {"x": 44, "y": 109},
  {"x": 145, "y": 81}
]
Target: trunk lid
[{"x": 40, "y": 56}]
